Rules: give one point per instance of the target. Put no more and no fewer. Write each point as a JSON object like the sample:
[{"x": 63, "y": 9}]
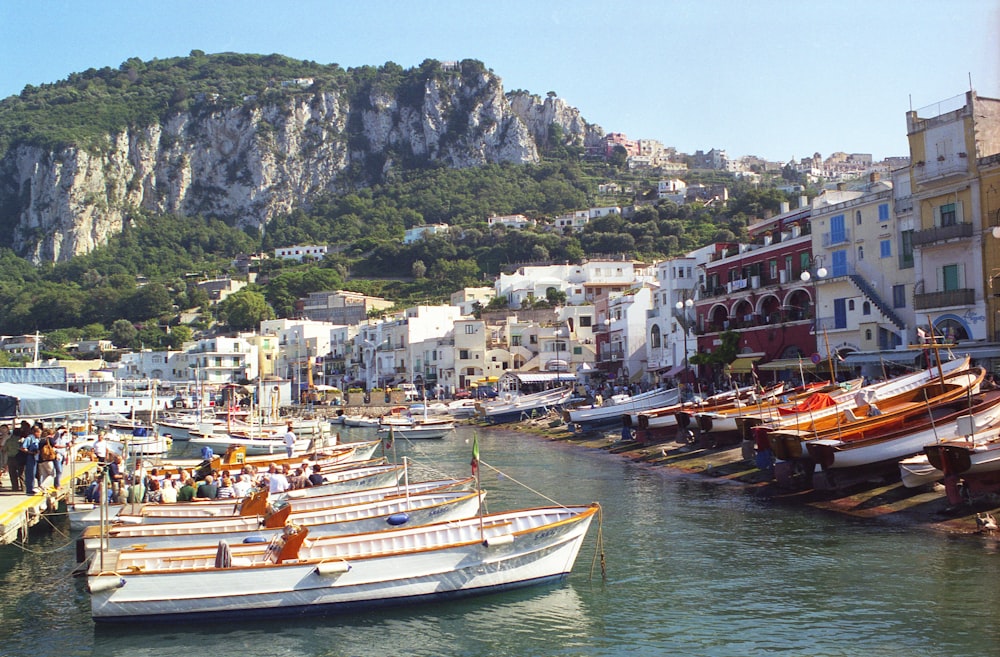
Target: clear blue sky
[{"x": 774, "y": 78}]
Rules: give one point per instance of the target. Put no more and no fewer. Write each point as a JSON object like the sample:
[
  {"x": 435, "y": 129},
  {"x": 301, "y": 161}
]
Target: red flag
[{"x": 475, "y": 454}]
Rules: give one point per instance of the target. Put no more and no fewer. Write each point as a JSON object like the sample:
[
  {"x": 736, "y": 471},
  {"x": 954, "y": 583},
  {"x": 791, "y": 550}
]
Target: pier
[{"x": 19, "y": 512}]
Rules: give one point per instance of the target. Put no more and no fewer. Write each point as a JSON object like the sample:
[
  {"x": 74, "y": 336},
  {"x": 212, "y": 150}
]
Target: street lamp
[
  {"x": 683, "y": 307},
  {"x": 805, "y": 278}
]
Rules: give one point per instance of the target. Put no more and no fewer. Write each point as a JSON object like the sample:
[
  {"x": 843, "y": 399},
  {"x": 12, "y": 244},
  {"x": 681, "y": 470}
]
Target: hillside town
[{"x": 853, "y": 281}]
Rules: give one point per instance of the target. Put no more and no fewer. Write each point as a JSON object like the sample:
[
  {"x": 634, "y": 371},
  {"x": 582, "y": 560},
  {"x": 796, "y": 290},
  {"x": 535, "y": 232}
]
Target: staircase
[{"x": 883, "y": 307}]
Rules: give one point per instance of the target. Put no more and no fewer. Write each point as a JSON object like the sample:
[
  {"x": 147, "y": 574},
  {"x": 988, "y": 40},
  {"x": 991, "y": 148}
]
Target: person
[
  {"x": 316, "y": 478},
  {"x": 226, "y": 490},
  {"x": 289, "y": 440},
  {"x": 208, "y": 489},
  {"x": 15, "y": 460},
  {"x": 278, "y": 482},
  {"x": 137, "y": 489},
  {"x": 29, "y": 447},
  {"x": 4, "y": 437},
  {"x": 101, "y": 448},
  {"x": 63, "y": 443},
  {"x": 187, "y": 491},
  {"x": 242, "y": 485},
  {"x": 154, "y": 495},
  {"x": 168, "y": 495},
  {"x": 46, "y": 457},
  {"x": 297, "y": 480}
]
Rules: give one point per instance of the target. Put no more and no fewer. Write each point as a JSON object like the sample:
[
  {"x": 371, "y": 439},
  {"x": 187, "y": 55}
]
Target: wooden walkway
[{"x": 18, "y": 511}]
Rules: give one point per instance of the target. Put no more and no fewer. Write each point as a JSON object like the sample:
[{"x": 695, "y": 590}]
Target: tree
[
  {"x": 123, "y": 333},
  {"x": 245, "y": 310},
  {"x": 179, "y": 335},
  {"x": 419, "y": 269}
]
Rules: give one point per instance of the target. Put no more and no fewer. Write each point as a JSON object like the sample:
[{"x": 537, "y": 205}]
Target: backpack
[{"x": 46, "y": 452}]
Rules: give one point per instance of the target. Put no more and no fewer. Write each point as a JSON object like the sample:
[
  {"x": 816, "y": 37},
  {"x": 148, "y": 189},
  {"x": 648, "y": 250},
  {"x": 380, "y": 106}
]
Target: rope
[{"x": 599, "y": 547}]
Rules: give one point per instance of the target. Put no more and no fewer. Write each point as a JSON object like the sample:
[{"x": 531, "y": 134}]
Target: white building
[
  {"x": 413, "y": 234},
  {"x": 581, "y": 283},
  {"x": 301, "y": 251}
]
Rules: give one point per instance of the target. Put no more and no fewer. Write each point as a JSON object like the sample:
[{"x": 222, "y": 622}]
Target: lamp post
[
  {"x": 805, "y": 277},
  {"x": 683, "y": 307}
]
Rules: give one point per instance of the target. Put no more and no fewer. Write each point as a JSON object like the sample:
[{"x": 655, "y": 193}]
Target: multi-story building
[
  {"x": 581, "y": 283},
  {"x": 670, "y": 339},
  {"x": 221, "y": 360},
  {"x": 411, "y": 235},
  {"x": 862, "y": 286},
  {"x": 947, "y": 142},
  {"x": 621, "y": 353},
  {"x": 300, "y": 251},
  {"x": 339, "y": 307},
  {"x": 759, "y": 290},
  {"x": 300, "y": 343},
  {"x": 467, "y": 298}
]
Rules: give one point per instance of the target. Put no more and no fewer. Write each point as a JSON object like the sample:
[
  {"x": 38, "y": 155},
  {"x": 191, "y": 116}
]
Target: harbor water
[{"x": 694, "y": 566}]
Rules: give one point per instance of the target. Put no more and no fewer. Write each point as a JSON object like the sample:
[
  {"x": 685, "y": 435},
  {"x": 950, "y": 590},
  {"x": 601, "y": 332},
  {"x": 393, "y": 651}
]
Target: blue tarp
[
  {"x": 25, "y": 401},
  {"x": 40, "y": 376}
]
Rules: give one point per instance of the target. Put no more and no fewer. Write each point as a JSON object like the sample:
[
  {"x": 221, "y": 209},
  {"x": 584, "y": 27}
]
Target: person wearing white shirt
[
  {"x": 289, "y": 440},
  {"x": 242, "y": 485}
]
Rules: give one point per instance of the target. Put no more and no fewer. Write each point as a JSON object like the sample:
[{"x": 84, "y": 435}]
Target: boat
[
  {"x": 968, "y": 466},
  {"x": 329, "y": 574},
  {"x": 351, "y": 518},
  {"x": 513, "y": 408},
  {"x": 583, "y": 418},
  {"x": 419, "y": 430},
  {"x": 360, "y": 421},
  {"x": 257, "y": 445},
  {"x": 917, "y": 471},
  {"x": 874, "y": 444},
  {"x": 671, "y": 415},
  {"x": 139, "y": 441}
]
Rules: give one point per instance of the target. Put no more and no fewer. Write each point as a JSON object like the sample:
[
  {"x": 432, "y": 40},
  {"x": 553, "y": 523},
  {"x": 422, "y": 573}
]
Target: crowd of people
[
  {"x": 32, "y": 455},
  {"x": 159, "y": 486}
]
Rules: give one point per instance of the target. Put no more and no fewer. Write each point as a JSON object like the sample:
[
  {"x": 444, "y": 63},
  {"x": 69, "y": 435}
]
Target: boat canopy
[{"x": 27, "y": 401}]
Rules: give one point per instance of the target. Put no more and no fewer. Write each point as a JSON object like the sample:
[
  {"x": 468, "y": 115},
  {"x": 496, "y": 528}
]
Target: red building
[{"x": 758, "y": 290}]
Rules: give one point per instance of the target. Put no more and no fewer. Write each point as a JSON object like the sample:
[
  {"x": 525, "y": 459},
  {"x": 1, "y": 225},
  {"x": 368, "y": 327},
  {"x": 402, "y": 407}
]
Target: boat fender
[
  {"x": 397, "y": 519},
  {"x": 332, "y": 568},
  {"x": 494, "y": 541},
  {"x": 83, "y": 506},
  {"x": 106, "y": 583},
  {"x": 256, "y": 539},
  {"x": 129, "y": 520}
]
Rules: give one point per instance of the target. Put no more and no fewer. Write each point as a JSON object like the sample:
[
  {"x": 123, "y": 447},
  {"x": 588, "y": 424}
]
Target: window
[
  {"x": 772, "y": 269},
  {"x": 463, "y": 354},
  {"x": 906, "y": 249},
  {"x": 866, "y": 308},
  {"x": 861, "y": 253},
  {"x": 899, "y": 296},
  {"x": 586, "y": 321},
  {"x": 577, "y": 351},
  {"x": 532, "y": 339},
  {"x": 883, "y": 212},
  {"x": 470, "y": 329},
  {"x": 850, "y": 304},
  {"x": 804, "y": 261},
  {"x": 948, "y": 215},
  {"x": 838, "y": 233},
  {"x": 857, "y": 217},
  {"x": 949, "y": 278},
  {"x": 654, "y": 337},
  {"x": 868, "y": 334},
  {"x": 515, "y": 340}
]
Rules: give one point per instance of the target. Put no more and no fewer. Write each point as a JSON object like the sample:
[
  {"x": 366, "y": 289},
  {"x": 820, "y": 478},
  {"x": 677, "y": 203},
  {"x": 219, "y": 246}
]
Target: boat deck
[{"x": 19, "y": 512}]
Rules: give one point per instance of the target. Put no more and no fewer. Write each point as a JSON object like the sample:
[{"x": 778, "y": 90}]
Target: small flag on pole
[
  {"x": 389, "y": 437},
  {"x": 475, "y": 454}
]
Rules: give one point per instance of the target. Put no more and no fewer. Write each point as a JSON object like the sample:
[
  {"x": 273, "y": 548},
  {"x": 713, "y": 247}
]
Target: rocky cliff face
[
  {"x": 247, "y": 163},
  {"x": 541, "y": 114}
]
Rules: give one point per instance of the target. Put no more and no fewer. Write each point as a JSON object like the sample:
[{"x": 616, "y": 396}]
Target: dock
[{"x": 19, "y": 512}]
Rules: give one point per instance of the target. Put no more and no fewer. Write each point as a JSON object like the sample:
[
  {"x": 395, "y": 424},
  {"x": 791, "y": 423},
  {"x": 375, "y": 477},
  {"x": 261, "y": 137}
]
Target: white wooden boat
[
  {"x": 584, "y": 418},
  {"x": 142, "y": 442},
  {"x": 512, "y": 408},
  {"x": 293, "y": 577},
  {"x": 917, "y": 471},
  {"x": 418, "y": 428},
  {"x": 356, "y": 518},
  {"x": 274, "y": 444},
  {"x": 360, "y": 421}
]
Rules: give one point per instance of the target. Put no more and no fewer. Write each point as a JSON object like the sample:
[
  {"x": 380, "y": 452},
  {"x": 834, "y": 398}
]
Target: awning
[
  {"x": 27, "y": 401},
  {"x": 786, "y": 364},
  {"x": 675, "y": 370},
  {"x": 743, "y": 364},
  {"x": 908, "y": 356},
  {"x": 975, "y": 352},
  {"x": 542, "y": 377}
]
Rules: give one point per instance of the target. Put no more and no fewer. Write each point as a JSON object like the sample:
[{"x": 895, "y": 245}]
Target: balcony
[
  {"x": 942, "y": 234},
  {"x": 832, "y": 239},
  {"x": 940, "y": 168},
  {"x": 960, "y": 297}
]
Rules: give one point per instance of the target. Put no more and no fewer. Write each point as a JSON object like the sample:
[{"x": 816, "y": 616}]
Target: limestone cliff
[{"x": 247, "y": 161}]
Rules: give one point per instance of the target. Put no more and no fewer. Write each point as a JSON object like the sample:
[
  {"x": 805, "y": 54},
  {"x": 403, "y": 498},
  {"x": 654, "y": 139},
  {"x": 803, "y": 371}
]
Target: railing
[
  {"x": 961, "y": 297},
  {"x": 829, "y": 239},
  {"x": 940, "y": 168},
  {"x": 941, "y": 233}
]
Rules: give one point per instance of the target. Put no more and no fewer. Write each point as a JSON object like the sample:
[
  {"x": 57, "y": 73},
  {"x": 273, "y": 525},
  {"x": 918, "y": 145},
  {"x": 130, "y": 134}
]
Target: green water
[{"x": 694, "y": 567}]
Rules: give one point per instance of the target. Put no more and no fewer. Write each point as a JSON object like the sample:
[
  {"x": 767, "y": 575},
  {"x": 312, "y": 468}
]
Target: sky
[{"x": 774, "y": 78}]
